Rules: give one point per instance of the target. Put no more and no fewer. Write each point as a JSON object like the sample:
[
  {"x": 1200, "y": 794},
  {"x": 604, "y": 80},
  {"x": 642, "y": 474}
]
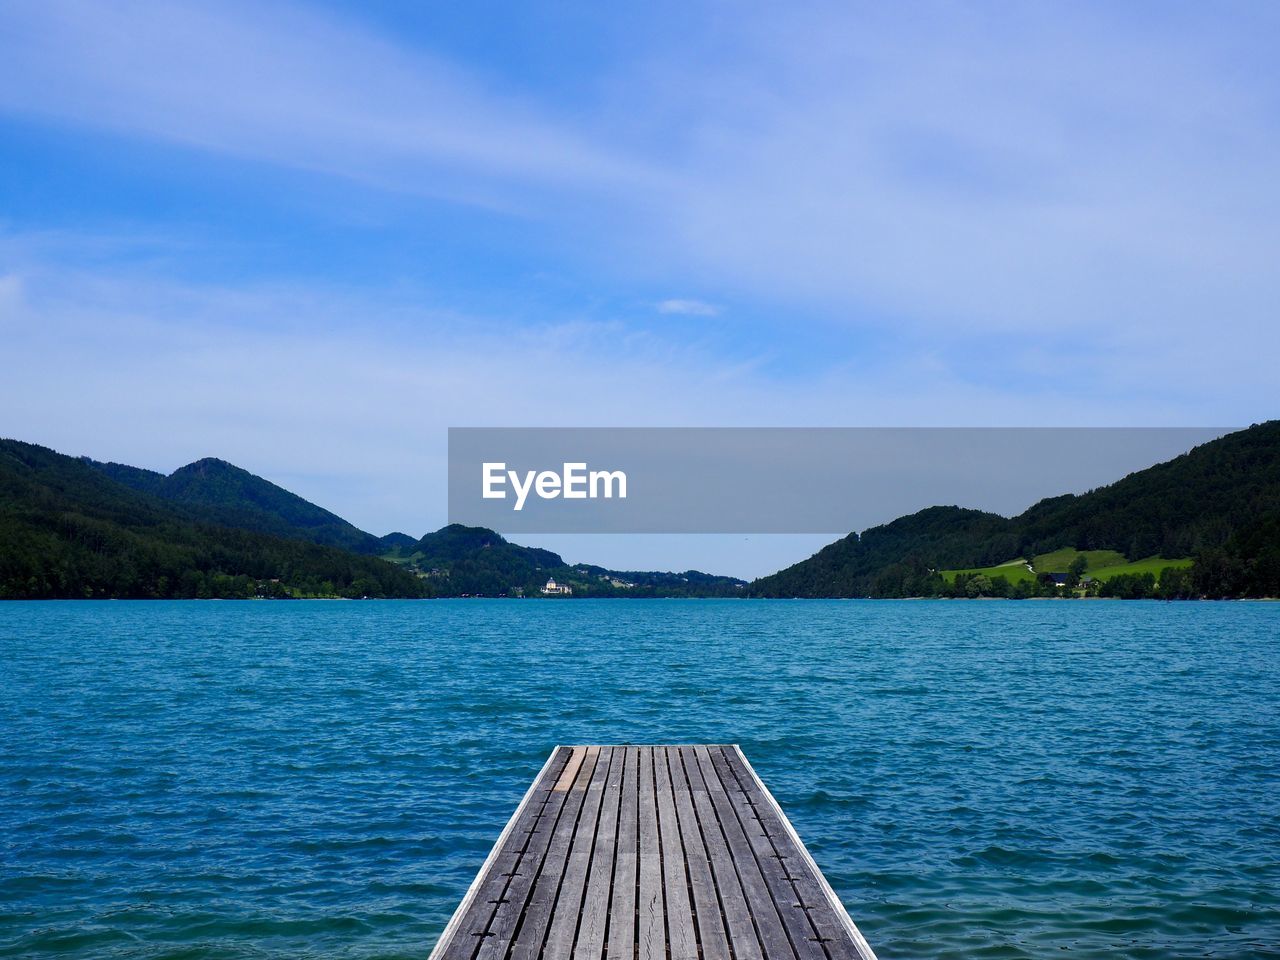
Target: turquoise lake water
[{"x": 323, "y": 779}]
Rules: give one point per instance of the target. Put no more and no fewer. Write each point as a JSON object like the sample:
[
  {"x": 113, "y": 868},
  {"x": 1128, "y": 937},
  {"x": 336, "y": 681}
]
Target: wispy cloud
[
  {"x": 940, "y": 172},
  {"x": 289, "y": 381},
  {"x": 690, "y": 308},
  {"x": 900, "y": 173},
  {"x": 999, "y": 215},
  {"x": 293, "y": 86}
]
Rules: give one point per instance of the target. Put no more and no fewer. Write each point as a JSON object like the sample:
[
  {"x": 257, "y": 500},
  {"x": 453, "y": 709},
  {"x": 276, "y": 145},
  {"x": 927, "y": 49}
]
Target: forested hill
[
  {"x": 76, "y": 528},
  {"x": 73, "y": 527},
  {"x": 225, "y": 494},
  {"x": 69, "y": 530},
  {"x": 1219, "y": 503},
  {"x": 458, "y": 560}
]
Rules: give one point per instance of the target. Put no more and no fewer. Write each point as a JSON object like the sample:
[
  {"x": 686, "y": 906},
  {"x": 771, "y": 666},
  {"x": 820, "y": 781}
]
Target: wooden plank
[
  {"x": 650, "y": 853},
  {"x": 682, "y": 932},
  {"x": 527, "y": 886},
  {"x": 472, "y": 919},
  {"x": 706, "y": 903},
  {"x": 566, "y": 779},
  {"x": 622, "y": 905},
  {"x": 651, "y": 937},
  {"x": 774, "y": 941},
  {"x": 733, "y": 902},
  {"x": 595, "y": 905},
  {"x": 531, "y": 931},
  {"x": 839, "y": 934},
  {"x": 569, "y": 901},
  {"x": 804, "y": 938}
]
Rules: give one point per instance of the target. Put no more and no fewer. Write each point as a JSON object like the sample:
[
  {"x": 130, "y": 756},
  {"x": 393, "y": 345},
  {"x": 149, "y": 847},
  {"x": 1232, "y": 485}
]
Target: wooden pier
[{"x": 650, "y": 853}]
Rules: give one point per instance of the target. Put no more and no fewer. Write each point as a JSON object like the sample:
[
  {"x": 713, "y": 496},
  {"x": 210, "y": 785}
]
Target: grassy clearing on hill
[
  {"x": 1013, "y": 571},
  {"x": 1060, "y": 560},
  {"x": 1151, "y": 565},
  {"x": 1103, "y": 565}
]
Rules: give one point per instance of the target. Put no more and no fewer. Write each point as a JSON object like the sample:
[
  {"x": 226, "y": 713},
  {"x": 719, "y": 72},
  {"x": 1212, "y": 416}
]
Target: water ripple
[{"x": 222, "y": 780}]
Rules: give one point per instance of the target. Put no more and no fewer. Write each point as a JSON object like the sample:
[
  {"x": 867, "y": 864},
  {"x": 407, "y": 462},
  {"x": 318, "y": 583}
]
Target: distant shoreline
[{"x": 292, "y": 600}]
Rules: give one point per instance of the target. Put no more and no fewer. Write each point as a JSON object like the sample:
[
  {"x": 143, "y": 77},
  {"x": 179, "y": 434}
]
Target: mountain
[
  {"x": 890, "y": 560},
  {"x": 225, "y": 494},
  {"x": 75, "y": 527},
  {"x": 395, "y": 541},
  {"x": 70, "y": 529},
  {"x": 1218, "y": 503},
  {"x": 458, "y": 560},
  {"x": 78, "y": 528}
]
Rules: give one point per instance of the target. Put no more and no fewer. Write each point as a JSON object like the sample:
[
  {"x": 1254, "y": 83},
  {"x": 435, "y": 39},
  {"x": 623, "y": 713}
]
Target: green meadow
[
  {"x": 1060, "y": 560},
  {"x": 1103, "y": 565},
  {"x": 1151, "y": 565},
  {"x": 1013, "y": 571}
]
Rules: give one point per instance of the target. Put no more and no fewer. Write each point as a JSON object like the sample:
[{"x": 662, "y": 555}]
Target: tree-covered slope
[
  {"x": 472, "y": 560},
  {"x": 1219, "y": 503},
  {"x": 395, "y": 541},
  {"x": 458, "y": 560},
  {"x": 1183, "y": 507},
  {"x": 148, "y": 481},
  {"x": 892, "y": 559},
  {"x": 70, "y": 530},
  {"x": 225, "y": 494},
  {"x": 78, "y": 528}
]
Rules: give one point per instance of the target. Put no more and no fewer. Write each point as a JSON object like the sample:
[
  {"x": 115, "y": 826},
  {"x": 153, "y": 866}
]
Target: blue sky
[{"x": 310, "y": 237}]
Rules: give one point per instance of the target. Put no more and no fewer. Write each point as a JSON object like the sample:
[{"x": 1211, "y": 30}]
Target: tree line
[{"x": 1218, "y": 503}]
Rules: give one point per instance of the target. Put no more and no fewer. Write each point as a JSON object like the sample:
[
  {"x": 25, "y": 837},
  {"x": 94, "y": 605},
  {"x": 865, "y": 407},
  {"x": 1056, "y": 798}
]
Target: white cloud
[
  {"x": 10, "y": 292},
  {"x": 997, "y": 172},
  {"x": 974, "y": 168},
  {"x": 296, "y": 87},
  {"x": 295, "y": 383},
  {"x": 1019, "y": 215},
  {"x": 691, "y": 308}
]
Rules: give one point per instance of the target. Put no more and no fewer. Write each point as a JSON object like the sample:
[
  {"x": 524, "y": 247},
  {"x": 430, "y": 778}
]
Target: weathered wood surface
[{"x": 650, "y": 853}]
